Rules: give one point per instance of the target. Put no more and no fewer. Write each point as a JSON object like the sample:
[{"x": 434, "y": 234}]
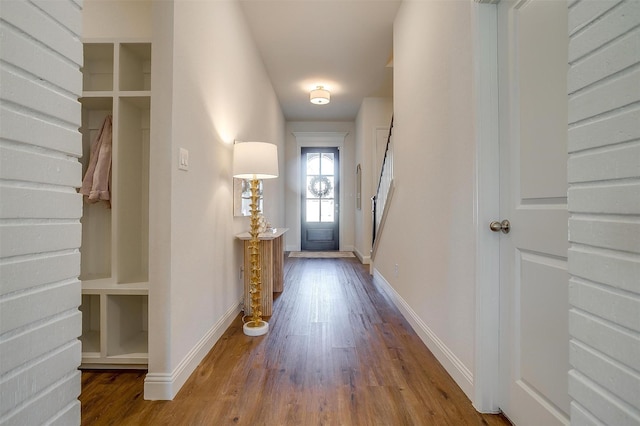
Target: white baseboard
[
  {"x": 297, "y": 248},
  {"x": 456, "y": 369},
  {"x": 365, "y": 260},
  {"x": 165, "y": 386}
]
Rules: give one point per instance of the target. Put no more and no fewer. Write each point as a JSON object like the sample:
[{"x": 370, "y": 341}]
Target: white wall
[
  {"x": 604, "y": 203},
  {"x": 374, "y": 114},
  {"x": 116, "y": 18},
  {"x": 213, "y": 89},
  {"x": 348, "y": 188},
  {"x": 39, "y": 212},
  {"x": 429, "y": 233},
  {"x": 160, "y": 191}
]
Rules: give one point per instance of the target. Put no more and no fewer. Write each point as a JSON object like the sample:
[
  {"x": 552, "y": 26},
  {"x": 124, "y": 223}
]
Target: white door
[{"x": 534, "y": 337}]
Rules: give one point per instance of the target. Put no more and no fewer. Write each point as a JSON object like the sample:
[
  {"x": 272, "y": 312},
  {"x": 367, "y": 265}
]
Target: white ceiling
[{"x": 343, "y": 44}]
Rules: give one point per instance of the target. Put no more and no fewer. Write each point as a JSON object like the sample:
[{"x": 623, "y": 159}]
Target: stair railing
[{"x": 380, "y": 201}]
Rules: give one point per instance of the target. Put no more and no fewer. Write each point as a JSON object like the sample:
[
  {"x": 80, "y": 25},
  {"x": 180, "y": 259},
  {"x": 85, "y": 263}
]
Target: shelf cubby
[
  {"x": 135, "y": 67},
  {"x": 90, "y": 338},
  {"x": 97, "y": 70},
  {"x": 96, "y": 217},
  {"x": 128, "y": 341},
  {"x": 133, "y": 190}
]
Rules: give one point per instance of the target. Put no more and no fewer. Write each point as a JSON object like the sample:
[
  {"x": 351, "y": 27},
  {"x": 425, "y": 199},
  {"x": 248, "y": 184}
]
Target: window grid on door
[{"x": 320, "y": 187}]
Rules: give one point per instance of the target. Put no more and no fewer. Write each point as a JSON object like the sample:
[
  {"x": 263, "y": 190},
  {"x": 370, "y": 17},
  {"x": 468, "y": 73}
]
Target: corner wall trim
[
  {"x": 365, "y": 260},
  {"x": 165, "y": 386},
  {"x": 456, "y": 369}
]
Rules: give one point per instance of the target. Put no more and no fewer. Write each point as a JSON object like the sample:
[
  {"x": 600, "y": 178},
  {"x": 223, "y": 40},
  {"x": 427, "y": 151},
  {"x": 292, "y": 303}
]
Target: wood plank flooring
[{"x": 338, "y": 353}]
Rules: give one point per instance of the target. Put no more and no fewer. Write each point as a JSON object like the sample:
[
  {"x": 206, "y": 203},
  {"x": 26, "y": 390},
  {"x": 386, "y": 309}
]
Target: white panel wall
[
  {"x": 40, "y": 211},
  {"x": 604, "y": 202}
]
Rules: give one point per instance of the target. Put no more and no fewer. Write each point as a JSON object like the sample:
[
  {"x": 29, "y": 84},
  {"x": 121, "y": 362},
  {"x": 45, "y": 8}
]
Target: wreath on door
[{"x": 320, "y": 186}]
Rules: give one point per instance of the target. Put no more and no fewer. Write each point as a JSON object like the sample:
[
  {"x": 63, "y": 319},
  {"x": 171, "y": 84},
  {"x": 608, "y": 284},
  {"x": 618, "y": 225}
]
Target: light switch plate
[{"x": 183, "y": 159}]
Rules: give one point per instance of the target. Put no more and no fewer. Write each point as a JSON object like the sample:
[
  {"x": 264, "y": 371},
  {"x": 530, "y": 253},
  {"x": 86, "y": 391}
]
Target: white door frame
[
  {"x": 486, "y": 378},
  {"x": 319, "y": 139}
]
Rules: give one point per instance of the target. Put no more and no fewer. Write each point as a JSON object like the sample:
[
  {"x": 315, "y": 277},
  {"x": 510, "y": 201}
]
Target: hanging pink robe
[{"x": 96, "y": 182}]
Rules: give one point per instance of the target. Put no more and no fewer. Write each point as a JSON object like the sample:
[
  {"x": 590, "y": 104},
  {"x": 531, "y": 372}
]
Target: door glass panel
[
  {"x": 320, "y": 187},
  {"x": 326, "y": 208},
  {"x": 311, "y": 180},
  {"x": 326, "y": 165},
  {"x": 331, "y": 187},
  {"x": 313, "y": 211},
  {"x": 313, "y": 164}
]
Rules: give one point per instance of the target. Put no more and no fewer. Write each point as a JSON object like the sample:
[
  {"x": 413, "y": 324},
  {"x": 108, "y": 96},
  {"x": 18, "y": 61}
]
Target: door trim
[
  {"x": 318, "y": 139},
  {"x": 486, "y": 378}
]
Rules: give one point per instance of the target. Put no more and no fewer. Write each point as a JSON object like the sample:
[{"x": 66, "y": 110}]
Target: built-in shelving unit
[{"x": 115, "y": 238}]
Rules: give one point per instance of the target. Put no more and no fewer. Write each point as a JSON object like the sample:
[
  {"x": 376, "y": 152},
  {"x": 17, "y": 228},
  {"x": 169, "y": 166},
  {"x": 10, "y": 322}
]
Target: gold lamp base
[{"x": 253, "y": 328}]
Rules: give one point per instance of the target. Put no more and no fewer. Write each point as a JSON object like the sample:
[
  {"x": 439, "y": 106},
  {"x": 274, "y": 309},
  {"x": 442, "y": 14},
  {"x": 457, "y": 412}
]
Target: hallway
[{"x": 338, "y": 353}]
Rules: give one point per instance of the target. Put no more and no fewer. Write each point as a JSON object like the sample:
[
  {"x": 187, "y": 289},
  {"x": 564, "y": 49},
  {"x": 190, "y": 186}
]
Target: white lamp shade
[
  {"x": 320, "y": 96},
  {"x": 255, "y": 160}
]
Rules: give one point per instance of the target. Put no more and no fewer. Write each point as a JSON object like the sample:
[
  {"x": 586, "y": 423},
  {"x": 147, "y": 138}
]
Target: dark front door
[{"x": 320, "y": 196}]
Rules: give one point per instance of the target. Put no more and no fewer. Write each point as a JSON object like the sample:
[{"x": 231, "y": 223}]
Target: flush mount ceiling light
[{"x": 319, "y": 96}]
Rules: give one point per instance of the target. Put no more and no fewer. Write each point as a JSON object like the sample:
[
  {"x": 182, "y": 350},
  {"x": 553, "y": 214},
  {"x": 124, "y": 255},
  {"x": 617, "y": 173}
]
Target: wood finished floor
[{"x": 338, "y": 353}]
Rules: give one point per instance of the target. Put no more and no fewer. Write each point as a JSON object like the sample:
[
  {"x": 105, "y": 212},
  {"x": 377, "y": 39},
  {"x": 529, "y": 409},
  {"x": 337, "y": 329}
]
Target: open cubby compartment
[
  {"x": 127, "y": 326},
  {"x": 96, "y": 217},
  {"x": 90, "y": 338},
  {"x": 97, "y": 70},
  {"x": 132, "y": 190},
  {"x": 135, "y": 66}
]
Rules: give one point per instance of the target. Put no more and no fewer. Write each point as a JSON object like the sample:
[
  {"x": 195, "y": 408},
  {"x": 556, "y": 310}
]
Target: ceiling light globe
[{"x": 319, "y": 96}]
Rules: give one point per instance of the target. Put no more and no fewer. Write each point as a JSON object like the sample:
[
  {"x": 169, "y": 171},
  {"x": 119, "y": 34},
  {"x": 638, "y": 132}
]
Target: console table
[{"x": 272, "y": 260}]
